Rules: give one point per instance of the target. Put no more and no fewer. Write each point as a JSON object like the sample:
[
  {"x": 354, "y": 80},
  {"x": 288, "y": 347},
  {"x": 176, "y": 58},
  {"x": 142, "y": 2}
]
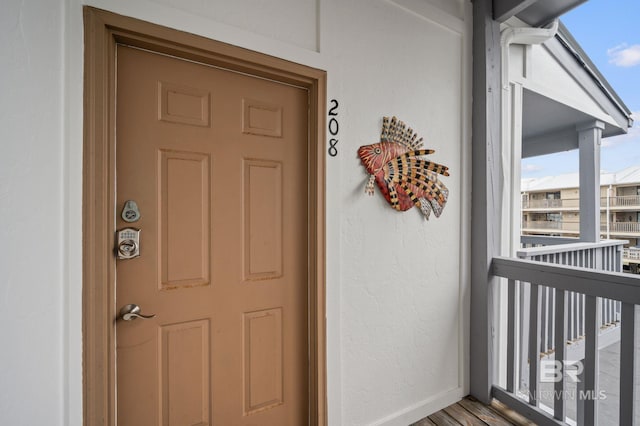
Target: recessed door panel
[
  {"x": 261, "y": 118},
  {"x": 262, "y": 360},
  {"x": 184, "y": 374},
  {"x": 183, "y": 104},
  {"x": 183, "y": 205},
  {"x": 262, "y": 219}
]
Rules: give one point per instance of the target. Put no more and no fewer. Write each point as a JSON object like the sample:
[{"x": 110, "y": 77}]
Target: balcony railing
[
  {"x": 561, "y": 297},
  {"x": 551, "y": 225},
  {"x": 631, "y": 254},
  {"x": 567, "y": 226},
  {"x": 619, "y": 201},
  {"x": 621, "y": 227},
  {"x": 551, "y": 204},
  {"x": 602, "y": 256}
]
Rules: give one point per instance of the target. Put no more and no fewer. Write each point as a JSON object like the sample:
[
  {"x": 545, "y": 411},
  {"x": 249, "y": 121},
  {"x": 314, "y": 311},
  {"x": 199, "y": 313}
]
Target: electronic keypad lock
[{"x": 128, "y": 243}]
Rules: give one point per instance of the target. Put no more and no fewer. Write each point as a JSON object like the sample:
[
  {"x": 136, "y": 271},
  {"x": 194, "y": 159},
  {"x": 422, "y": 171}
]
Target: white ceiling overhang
[
  {"x": 536, "y": 13},
  {"x": 566, "y": 92},
  {"x": 569, "y": 90}
]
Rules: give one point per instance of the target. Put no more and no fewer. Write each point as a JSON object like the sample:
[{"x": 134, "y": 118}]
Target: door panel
[
  {"x": 183, "y": 233},
  {"x": 184, "y": 373},
  {"x": 262, "y": 191},
  {"x": 217, "y": 163}
]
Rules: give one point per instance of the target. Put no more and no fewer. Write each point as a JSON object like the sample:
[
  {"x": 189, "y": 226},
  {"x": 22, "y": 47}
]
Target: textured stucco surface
[
  {"x": 31, "y": 308},
  {"x": 396, "y": 284}
]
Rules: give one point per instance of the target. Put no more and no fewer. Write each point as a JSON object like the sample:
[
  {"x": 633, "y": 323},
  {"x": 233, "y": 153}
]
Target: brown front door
[{"x": 217, "y": 164}]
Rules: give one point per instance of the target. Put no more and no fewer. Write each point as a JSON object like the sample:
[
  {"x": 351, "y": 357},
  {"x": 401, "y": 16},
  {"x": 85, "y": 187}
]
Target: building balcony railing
[
  {"x": 631, "y": 254},
  {"x": 566, "y": 226},
  {"x": 552, "y": 204},
  {"x": 605, "y": 255},
  {"x": 546, "y": 225},
  {"x": 564, "y": 302},
  {"x": 621, "y": 227},
  {"x": 620, "y": 202}
]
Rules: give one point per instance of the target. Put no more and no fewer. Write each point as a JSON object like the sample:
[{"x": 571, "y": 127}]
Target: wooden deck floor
[{"x": 470, "y": 412}]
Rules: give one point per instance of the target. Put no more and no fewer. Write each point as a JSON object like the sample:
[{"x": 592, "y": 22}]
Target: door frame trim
[{"x": 103, "y": 31}]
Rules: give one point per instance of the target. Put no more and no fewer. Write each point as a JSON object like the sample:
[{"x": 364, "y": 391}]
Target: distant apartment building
[{"x": 550, "y": 206}]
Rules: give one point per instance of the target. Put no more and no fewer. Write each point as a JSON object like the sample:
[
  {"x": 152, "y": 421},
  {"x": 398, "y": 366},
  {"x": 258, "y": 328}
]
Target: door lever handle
[{"x": 132, "y": 311}]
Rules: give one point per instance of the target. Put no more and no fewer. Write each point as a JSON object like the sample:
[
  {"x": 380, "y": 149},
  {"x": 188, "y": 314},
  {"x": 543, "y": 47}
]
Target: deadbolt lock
[
  {"x": 128, "y": 243},
  {"x": 130, "y": 212}
]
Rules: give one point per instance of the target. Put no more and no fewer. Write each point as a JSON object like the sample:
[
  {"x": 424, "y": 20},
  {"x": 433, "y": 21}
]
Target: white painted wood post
[{"x": 589, "y": 136}]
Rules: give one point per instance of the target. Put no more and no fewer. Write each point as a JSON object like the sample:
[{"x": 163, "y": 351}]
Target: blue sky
[{"x": 609, "y": 32}]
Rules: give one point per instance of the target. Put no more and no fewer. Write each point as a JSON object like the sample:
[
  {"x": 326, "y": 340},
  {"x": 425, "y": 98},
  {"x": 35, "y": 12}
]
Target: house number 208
[{"x": 334, "y": 127}]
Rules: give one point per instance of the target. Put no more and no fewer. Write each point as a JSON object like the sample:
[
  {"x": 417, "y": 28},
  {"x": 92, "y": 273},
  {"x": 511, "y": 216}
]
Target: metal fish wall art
[{"x": 398, "y": 166}]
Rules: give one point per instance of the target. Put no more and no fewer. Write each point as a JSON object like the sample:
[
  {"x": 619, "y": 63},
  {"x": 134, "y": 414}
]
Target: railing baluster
[
  {"x": 544, "y": 317},
  {"x": 534, "y": 343},
  {"x": 612, "y": 311},
  {"x": 511, "y": 335},
  {"x": 552, "y": 320},
  {"x": 612, "y": 258},
  {"x": 590, "y": 365},
  {"x": 581, "y": 316},
  {"x": 525, "y": 298},
  {"x": 627, "y": 364},
  {"x": 572, "y": 316},
  {"x": 549, "y": 321},
  {"x": 559, "y": 408},
  {"x": 578, "y": 314}
]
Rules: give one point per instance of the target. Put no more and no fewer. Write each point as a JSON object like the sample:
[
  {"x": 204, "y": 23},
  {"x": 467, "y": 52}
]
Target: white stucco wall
[
  {"x": 397, "y": 296},
  {"x": 32, "y": 189}
]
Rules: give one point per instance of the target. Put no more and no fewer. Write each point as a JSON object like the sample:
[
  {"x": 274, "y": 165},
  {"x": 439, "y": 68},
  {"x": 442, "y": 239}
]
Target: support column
[
  {"x": 589, "y": 137},
  {"x": 487, "y": 196}
]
